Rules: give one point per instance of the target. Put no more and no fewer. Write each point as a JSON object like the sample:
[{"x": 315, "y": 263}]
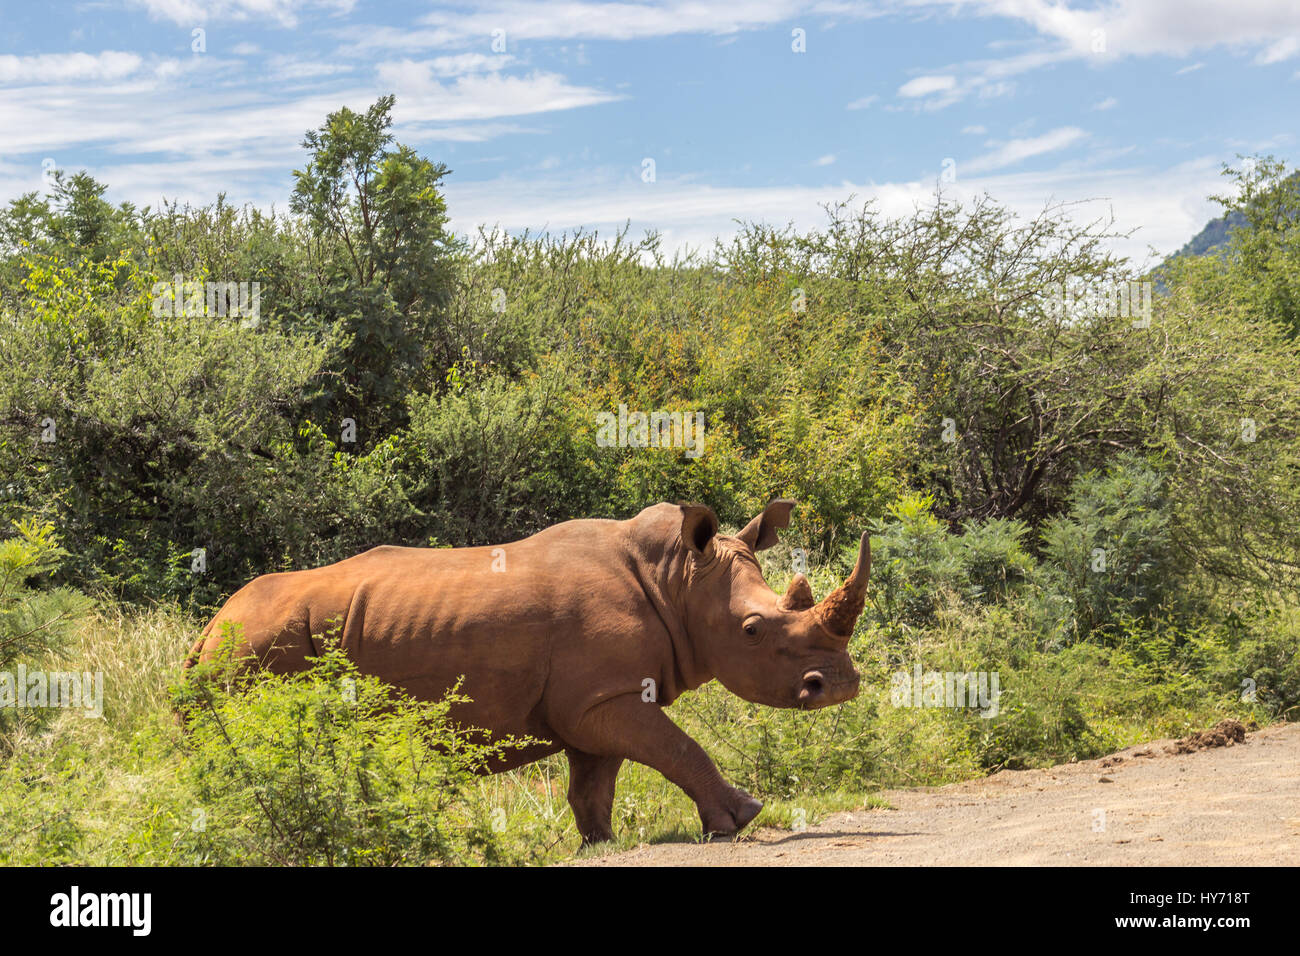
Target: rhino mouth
[{"x": 817, "y": 691}]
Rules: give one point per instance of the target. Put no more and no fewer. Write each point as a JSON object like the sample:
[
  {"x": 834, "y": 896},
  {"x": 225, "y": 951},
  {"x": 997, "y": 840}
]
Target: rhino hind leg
[{"x": 591, "y": 794}]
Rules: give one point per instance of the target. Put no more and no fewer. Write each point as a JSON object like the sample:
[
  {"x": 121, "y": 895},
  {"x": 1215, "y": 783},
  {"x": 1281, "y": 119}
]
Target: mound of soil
[{"x": 1223, "y": 734}]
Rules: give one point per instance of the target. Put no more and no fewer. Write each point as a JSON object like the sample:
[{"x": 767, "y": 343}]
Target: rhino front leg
[
  {"x": 631, "y": 728},
  {"x": 591, "y": 794}
]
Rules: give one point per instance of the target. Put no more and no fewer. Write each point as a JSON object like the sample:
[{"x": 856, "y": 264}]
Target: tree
[
  {"x": 1263, "y": 254},
  {"x": 387, "y": 264}
]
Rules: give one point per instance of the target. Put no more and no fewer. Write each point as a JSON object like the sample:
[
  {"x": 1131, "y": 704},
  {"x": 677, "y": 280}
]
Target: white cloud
[
  {"x": 471, "y": 133},
  {"x": 1147, "y": 27},
  {"x": 108, "y": 66},
  {"x": 990, "y": 91},
  {"x": 1283, "y": 49},
  {"x": 1115, "y": 29},
  {"x": 1018, "y": 150},
  {"x": 1168, "y": 204},
  {"x": 291, "y": 68},
  {"x": 1127, "y": 27},
  {"x": 469, "y": 63},
  {"x": 283, "y": 12},
  {"x": 1072, "y": 29},
  {"x": 863, "y": 103},
  {"x": 827, "y": 160},
  {"x": 1131, "y": 27},
  {"x": 463, "y": 24},
  {"x": 927, "y": 85},
  {"x": 1108, "y": 103},
  {"x": 203, "y": 114},
  {"x": 421, "y": 97},
  {"x": 930, "y": 93}
]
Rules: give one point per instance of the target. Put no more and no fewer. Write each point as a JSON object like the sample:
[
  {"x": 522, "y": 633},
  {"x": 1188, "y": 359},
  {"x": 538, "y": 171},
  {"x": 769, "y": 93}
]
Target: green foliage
[
  {"x": 1111, "y": 554},
  {"x": 332, "y": 768},
  {"x": 149, "y": 435},
  {"x": 35, "y": 622},
  {"x": 1253, "y": 648},
  {"x": 1262, "y": 254},
  {"x": 917, "y": 564},
  {"x": 72, "y": 221},
  {"x": 479, "y": 454},
  {"x": 378, "y": 210}
]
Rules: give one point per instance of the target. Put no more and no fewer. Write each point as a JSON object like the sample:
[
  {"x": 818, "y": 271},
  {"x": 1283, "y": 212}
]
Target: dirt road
[{"x": 1231, "y": 803}]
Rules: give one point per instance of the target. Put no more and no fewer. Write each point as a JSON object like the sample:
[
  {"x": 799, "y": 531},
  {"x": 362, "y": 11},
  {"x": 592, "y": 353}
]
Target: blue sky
[{"x": 1131, "y": 105}]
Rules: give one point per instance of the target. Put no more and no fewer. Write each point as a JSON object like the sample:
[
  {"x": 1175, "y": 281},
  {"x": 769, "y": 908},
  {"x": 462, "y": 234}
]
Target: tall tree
[{"x": 386, "y": 265}]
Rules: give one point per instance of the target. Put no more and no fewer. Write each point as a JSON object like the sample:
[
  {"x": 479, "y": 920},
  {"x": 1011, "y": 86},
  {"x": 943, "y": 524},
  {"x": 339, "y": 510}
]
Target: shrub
[
  {"x": 330, "y": 767},
  {"x": 147, "y": 437},
  {"x": 1111, "y": 554},
  {"x": 34, "y": 623},
  {"x": 917, "y": 562}
]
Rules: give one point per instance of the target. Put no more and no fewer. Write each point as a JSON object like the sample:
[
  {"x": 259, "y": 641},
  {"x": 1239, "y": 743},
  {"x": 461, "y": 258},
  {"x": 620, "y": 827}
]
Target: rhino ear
[
  {"x": 699, "y": 525},
  {"x": 760, "y": 533}
]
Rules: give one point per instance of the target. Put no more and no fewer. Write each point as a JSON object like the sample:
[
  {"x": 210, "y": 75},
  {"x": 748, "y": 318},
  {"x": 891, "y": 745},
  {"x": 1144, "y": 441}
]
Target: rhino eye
[{"x": 751, "y": 627}]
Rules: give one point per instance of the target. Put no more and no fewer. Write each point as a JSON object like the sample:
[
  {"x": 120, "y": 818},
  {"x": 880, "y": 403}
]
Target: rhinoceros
[{"x": 577, "y": 636}]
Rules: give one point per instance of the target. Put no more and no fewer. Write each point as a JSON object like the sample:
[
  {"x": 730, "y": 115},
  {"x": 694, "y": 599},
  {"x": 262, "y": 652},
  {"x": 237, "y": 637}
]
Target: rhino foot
[
  {"x": 727, "y": 821},
  {"x": 602, "y": 835}
]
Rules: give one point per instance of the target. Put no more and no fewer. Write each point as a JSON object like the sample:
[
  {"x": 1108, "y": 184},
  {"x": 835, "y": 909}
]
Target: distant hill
[
  {"x": 1214, "y": 235},
  {"x": 1216, "y": 231}
]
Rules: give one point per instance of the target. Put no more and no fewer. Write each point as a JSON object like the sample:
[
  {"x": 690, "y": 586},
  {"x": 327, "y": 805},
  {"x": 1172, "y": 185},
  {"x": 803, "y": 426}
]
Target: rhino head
[{"x": 779, "y": 650}]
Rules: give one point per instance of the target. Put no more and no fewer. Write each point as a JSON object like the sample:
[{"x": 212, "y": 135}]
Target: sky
[{"x": 681, "y": 117}]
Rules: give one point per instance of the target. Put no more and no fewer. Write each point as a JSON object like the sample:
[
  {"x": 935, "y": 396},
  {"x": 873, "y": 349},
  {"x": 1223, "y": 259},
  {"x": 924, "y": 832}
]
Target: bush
[
  {"x": 1111, "y": 554},
  {"x": 1253, "y": 653},
  {"x": 34, "y": 624},
  {"x": 329, "y": 767},
  {"x": 147, "y": 437},
  {"x": 917, "y": 563}
]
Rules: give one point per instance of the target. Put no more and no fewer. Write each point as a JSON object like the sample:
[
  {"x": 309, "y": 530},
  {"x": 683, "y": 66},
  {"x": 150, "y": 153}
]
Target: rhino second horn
[
  {"x": 798, "y": 596},
  {"x": 840, "y": 609}
]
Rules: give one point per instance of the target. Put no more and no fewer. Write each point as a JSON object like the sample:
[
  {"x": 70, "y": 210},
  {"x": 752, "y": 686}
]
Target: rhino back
[{"x": 536, "y": 631}]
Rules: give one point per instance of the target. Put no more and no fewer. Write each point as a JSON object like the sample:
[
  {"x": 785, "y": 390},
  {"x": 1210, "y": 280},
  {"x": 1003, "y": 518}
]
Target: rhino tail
[
  {"x": 192, "y": 658},
  {"x": 196, "y": 651},
  {"x": 180, "y": 712}
]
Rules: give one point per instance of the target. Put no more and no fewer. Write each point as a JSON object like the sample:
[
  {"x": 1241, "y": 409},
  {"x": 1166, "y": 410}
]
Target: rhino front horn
[{"x": 840, "y": 609}]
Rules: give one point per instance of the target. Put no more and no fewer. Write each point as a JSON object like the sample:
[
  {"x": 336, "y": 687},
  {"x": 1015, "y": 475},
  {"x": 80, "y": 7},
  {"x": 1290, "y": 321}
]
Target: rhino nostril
[{"x": 812, "y": 685}]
